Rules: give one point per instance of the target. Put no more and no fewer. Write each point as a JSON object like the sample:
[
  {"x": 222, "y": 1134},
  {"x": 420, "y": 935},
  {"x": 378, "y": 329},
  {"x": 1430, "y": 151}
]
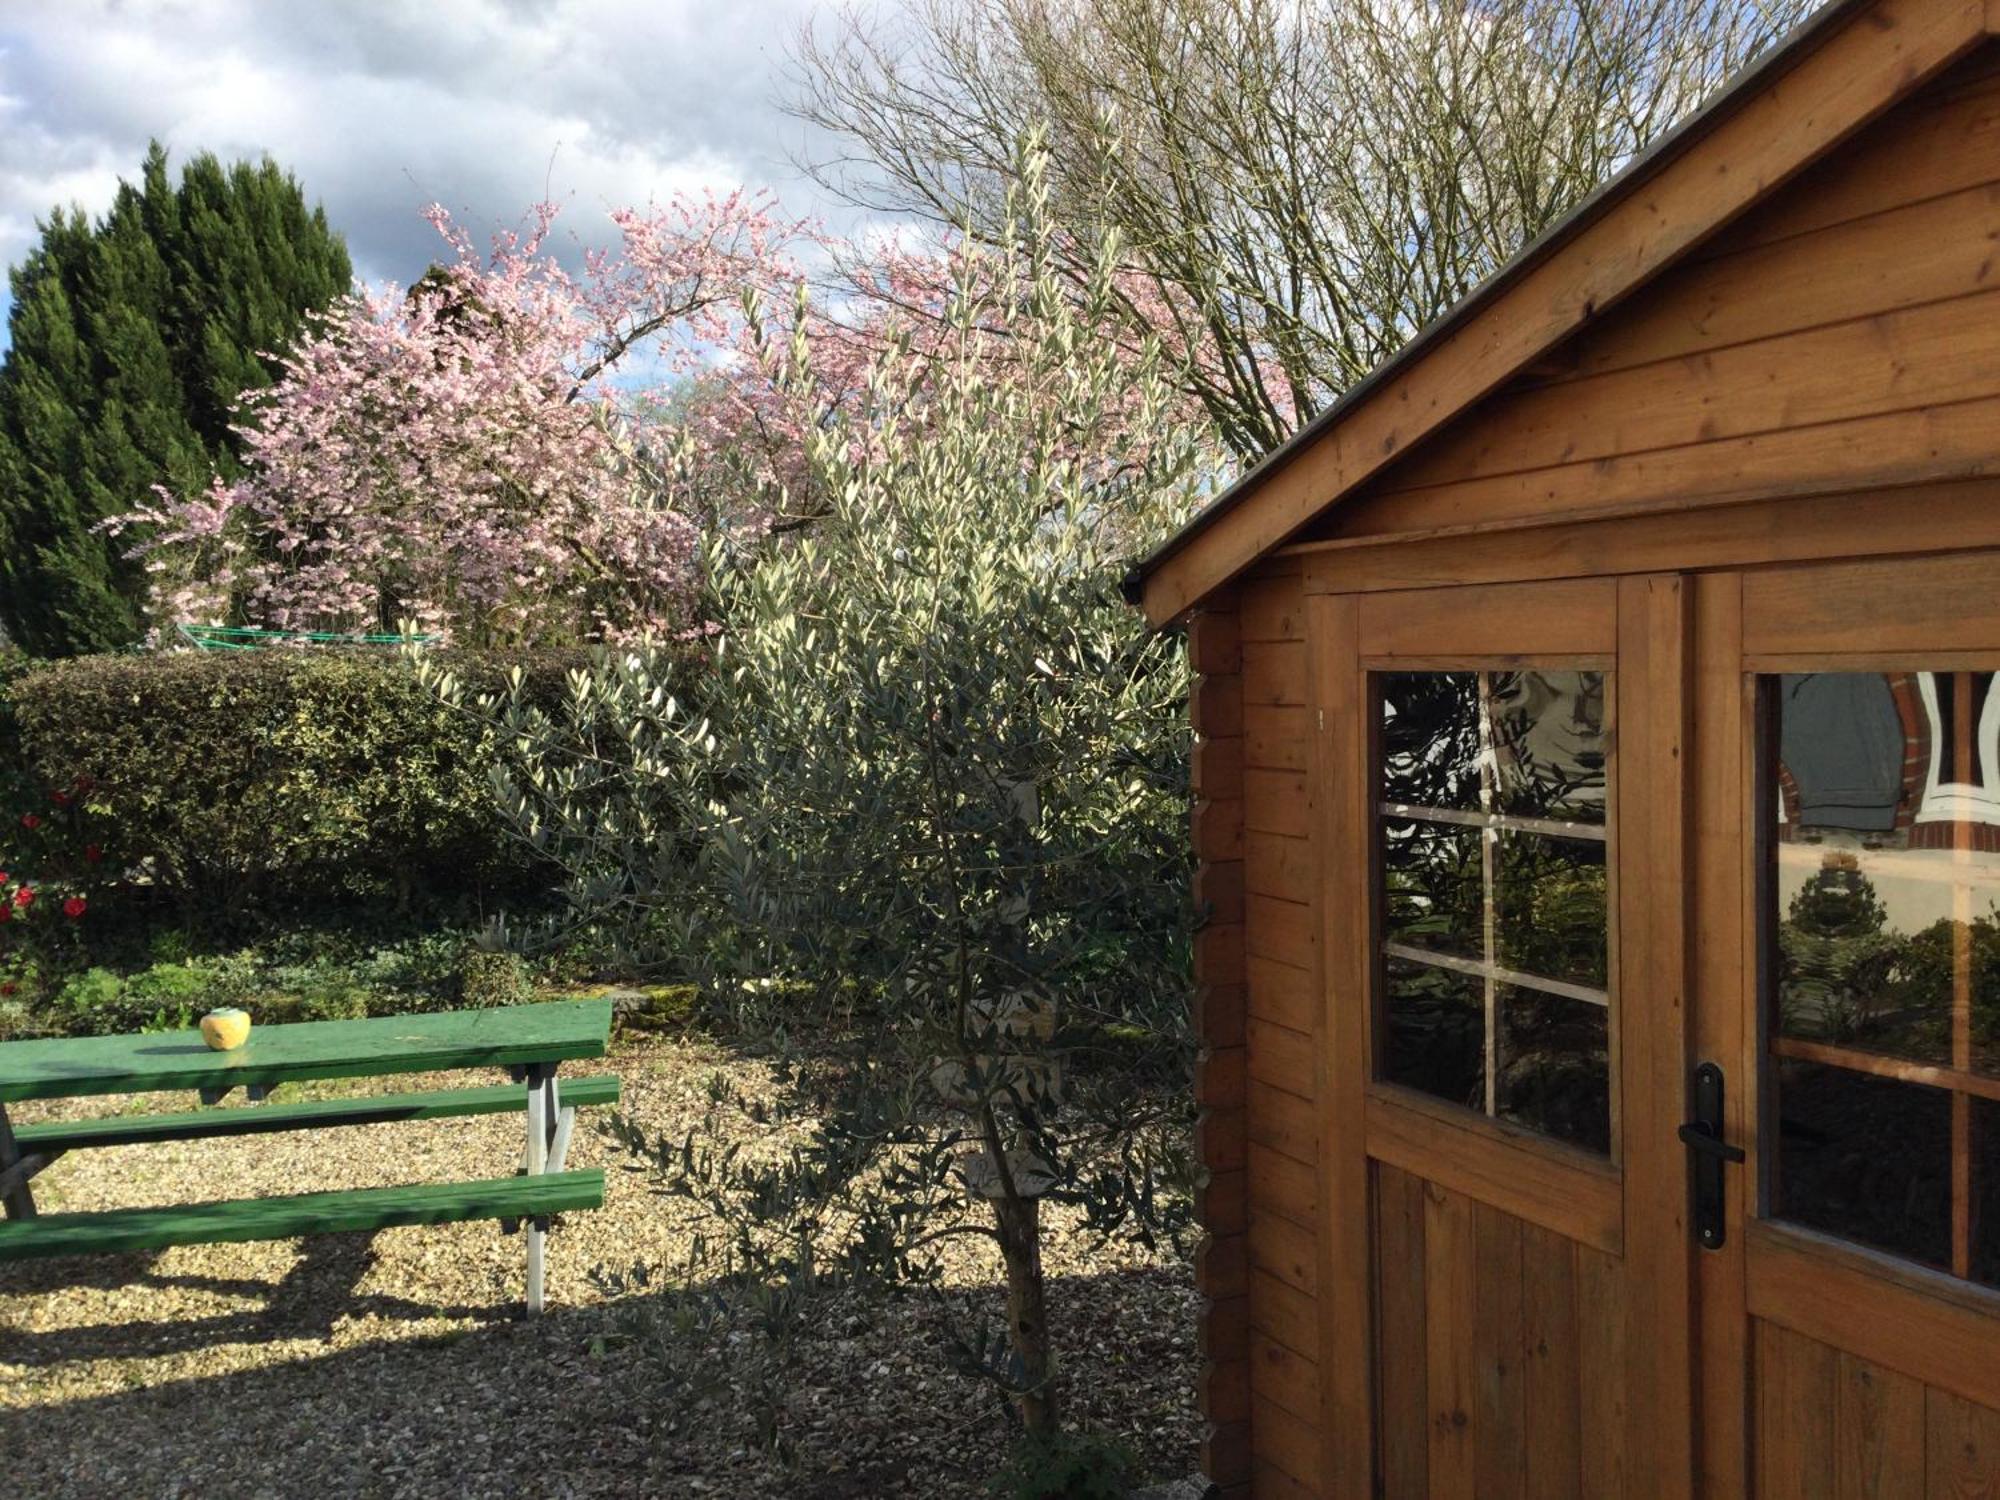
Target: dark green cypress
[{"x": 132, "y": 340}]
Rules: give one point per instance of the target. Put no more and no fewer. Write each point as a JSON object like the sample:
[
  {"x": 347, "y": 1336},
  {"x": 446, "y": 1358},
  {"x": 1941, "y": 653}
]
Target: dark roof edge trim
[{"x": 1788, "y": 51}]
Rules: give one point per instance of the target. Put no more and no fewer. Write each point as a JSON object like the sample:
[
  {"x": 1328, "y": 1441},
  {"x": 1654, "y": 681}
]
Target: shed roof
[{"x": 1841, "y": 68}]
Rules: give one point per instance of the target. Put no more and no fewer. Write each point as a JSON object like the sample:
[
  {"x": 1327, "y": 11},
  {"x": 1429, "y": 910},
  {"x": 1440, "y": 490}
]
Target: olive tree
[{"x": 932, "y": 791}]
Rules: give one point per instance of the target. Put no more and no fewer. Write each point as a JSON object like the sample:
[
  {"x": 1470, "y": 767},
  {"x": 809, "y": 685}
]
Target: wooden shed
[{"x": 1598, "y": 783}]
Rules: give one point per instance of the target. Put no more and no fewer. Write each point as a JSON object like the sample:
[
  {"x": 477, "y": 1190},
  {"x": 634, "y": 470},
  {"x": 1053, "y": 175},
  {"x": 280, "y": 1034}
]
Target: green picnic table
[{"x": 530, "y": 1041}]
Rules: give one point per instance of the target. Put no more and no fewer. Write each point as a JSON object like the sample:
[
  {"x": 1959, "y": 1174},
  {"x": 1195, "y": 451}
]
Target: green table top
[{"x": 66, "y": 1067}]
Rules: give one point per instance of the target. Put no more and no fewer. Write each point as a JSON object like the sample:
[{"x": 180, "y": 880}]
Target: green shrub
[
  {"x": 493, "y": 978},
  {"x": 279, "y": 776},
  {"x": 1069, "y": 1466}
]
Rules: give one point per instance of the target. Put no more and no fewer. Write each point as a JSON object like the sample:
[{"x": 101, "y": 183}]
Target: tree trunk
[{"x": 1019, "y": 1220}]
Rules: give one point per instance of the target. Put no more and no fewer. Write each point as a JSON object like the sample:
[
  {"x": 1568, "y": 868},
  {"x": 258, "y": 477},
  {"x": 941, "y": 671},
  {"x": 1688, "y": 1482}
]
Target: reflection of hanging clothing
[{"x": 1842, "y": 742}]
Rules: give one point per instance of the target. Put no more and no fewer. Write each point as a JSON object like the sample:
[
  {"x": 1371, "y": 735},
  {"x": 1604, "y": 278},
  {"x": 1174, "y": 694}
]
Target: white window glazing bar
[
  {"x": 1504, "y": 822},
  {"x": 1496, "y": 973}
]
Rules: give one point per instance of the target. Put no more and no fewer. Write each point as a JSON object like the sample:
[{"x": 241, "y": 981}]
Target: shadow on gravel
[
  {"x": 571, "y": 1405},
  {"x": 308, "y": 1302}
]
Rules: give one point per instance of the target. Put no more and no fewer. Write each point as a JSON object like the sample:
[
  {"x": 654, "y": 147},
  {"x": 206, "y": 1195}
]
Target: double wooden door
[{"x": 1663, "y": 1034}]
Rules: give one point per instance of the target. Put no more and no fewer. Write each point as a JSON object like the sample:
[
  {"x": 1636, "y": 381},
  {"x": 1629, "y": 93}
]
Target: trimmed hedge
[{"x": 280, "y": 776}]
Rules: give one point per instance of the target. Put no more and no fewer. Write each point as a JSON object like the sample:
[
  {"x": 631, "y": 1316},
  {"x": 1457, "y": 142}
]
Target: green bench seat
[
  {"x": 235, "y": 1220},
  {"x": 52, "y": 1138}
]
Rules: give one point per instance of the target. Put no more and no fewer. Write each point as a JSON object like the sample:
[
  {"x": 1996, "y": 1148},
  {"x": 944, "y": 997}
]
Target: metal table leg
[{"x": 549, "y": 1127}]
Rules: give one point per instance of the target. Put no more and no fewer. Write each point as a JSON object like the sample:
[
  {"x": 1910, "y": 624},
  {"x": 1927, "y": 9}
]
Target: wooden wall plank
[
  {"x": 1554, "y": 1371},
  {"x": 1285, "y": 1250},
  {"x": 1922, "y": 151},
  {"x": 1602, "y": 1355},
  {"x": 1282, "y": 993},
  {"x": 1275, "y": 864},
  {"x": 1935, "y": 354},
  {"x": 1721, "y": 1023},
  {"x": 1963, "y": 1449},
  {"x": 1282, "y": 1312},
  {"x": 1284, "y": 930},
  {"x": 1499, "y": 1358},
  {"x": 1906, "y": 256},
  {"x": 1284, "y": 1377},
  {"x": 1451, "y": 1292},
  {"x": 1936, "y": 604},
  {"x": 1650, "y": 1026},
  {"x": 1281, "y": 1058},
  {"x": 1275, "y": 802},
  {"x": 1795, "y": 1414},
  {"x": 1285, "y": 1123},
  {"x": 1274, "y": 672},
  {"x": 1272, "y": 609},
  {"x": 1402, "y": 1382},
  {"x": 1573, "y": 617},
  {"x": 1274, "y": 736},
  {"x": 1898, "y": 448},
  {"x": 1679, "y": 535},
  {"x": 1285, "y": 1185},
  {"x": 1345, "y": 1239},
  {"x": 1879, "y": 1434}
]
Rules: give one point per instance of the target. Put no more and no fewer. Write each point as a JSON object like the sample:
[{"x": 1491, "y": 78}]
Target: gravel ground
[{"x": 396, "y": 1364}]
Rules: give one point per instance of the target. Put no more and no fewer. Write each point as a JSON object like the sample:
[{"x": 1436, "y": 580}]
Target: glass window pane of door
[
  {"x": 1880, "y": 821},
  {"x": 1492, "y": 838}
]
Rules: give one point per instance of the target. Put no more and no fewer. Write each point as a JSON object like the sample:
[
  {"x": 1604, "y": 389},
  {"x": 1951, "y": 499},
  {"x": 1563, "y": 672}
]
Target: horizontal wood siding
[
  {"x": 1846, "y": 333},
  {"x": 1222, "y": 1267},
  {"x": 1279, "y": 878}
]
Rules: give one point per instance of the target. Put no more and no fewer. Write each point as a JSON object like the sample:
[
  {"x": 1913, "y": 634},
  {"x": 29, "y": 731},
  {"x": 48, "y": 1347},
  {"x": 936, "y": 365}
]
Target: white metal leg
[{"x": 548, "y": 1143}]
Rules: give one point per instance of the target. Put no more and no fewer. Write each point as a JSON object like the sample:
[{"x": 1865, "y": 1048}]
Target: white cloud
[{"x": 380, "y": 106}]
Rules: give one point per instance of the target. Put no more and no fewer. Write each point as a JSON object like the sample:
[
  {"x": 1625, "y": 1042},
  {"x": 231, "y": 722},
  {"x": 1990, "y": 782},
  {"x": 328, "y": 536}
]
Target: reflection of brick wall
[{"x": 1916, "y": 744}]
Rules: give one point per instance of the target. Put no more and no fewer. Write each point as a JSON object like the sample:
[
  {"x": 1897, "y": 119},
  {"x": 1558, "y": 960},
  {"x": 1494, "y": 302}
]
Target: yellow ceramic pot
[{"x": 225, "y": 1029}]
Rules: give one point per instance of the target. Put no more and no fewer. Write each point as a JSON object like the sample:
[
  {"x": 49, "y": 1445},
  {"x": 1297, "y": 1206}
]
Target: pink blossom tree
[{"x": 474, "y": 455}]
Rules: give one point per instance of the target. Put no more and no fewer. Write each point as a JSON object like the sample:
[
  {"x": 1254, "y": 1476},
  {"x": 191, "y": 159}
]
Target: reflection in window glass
[
  {"x": 1434, "y": 1031},
  {"x": 1491, "y": 842},
  {"x": 1882, "y": 911},
  {"x": 1549, "y": 900},
  {"x": 1433, "y": 886},
  {"x": 1865, "y": 1158},
  {"x": 1555, "y": 1073}
]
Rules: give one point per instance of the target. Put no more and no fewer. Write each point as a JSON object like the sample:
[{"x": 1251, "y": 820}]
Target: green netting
[{"x": 246, "y": 638}]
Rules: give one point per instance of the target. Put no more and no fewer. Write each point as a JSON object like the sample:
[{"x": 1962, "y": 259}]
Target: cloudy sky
[{"x": 381, "y": 106}]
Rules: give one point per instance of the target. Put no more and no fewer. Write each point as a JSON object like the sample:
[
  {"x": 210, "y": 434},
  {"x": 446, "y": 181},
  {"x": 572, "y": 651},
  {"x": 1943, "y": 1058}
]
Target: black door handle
[{"x": 1708, "y": 1153}]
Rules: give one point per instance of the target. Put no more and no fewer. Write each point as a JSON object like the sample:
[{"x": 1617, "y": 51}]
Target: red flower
[
  {"x": 60, "y": 798},
  {"x": 3, "y": 877},
  {"x": 8, "y": 988},
  {"x": 24, "y": 897},
  {"x": 74, "y": 907},
  {"x": 92, "y": 852},
  {"x": 31, "y": 820},
  {"x": 6, "y": 912}
]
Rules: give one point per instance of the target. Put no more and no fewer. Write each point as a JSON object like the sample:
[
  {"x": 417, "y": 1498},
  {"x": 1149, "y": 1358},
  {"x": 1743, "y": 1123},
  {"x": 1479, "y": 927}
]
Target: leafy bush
[
  {"x": 1072, "y": 1466},
  {"x": 283, "y": 776}
]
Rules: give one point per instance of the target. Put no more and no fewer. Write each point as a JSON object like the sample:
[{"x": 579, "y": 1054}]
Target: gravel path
[{"x": 394, "y": 1364}]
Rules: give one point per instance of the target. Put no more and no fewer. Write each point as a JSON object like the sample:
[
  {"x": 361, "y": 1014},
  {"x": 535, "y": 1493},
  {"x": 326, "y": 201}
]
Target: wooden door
[
  {"x": 1506, "y": 1274},
  {"x": 1846, "y": 816}
]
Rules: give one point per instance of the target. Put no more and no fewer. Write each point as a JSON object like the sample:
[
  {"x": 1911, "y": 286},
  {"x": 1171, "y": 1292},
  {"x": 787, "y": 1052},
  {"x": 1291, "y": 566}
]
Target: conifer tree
[{"x": 132, "y": 339}]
